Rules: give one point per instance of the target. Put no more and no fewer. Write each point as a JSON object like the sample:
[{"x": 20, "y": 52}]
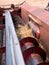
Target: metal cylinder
[
  {"x": 28, "y": 42},
  {"x": 27, "y": 45},
  {"x": 35, "y": 50},
  {"x": 34, "y": 59},
  {"x": 39, "y": 51},
  {"x": 27, "y": 53}
]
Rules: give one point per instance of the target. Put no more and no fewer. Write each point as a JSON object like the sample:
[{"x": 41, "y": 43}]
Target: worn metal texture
[{"x": 13, "y": 50}]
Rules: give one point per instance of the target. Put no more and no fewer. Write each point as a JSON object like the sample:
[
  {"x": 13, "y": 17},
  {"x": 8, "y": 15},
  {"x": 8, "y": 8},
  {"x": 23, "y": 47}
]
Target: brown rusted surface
[
  {"x": 2, "y": 17},
  {"x": 2, "y": 50},
  {"x": 2, "y": 27}
]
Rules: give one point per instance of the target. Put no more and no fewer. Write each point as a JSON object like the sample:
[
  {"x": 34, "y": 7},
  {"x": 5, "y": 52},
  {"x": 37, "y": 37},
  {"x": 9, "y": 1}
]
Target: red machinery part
[
  {"x": 40, "y": 51},
  {"x": 26, "y": 46},
  {"x": 32, "y": 53},
  {"x": 34, "y": 59},
  {"x": 26, "y": 40},
  {"x": 30, "y": 45},
  {"x": 45, "y": 63},
  {"x": 35, "y": 50}
]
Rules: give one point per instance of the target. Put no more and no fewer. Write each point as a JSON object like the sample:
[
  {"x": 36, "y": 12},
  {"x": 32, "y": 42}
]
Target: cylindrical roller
[
  {"x": 34, "y": 59},
  {"x": 29, "y": 41},
  {"x": 27, "y": 53},
  {"x": 35, "y": 50},
  {"x": 31, "y": 50},
  {"x": 27, "y": 45},
  {"x": 40, "y": 51}
]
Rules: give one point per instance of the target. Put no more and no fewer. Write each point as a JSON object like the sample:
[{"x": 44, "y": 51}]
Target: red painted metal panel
[{"x": 44, "y": 37}]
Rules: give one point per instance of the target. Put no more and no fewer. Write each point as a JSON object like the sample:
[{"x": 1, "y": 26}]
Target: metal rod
[{"x": 13, "y": 50}]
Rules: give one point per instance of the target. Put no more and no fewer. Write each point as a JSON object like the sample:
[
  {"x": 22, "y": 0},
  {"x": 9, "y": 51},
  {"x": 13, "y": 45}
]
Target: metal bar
[{"x": 13, "y": 50}]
